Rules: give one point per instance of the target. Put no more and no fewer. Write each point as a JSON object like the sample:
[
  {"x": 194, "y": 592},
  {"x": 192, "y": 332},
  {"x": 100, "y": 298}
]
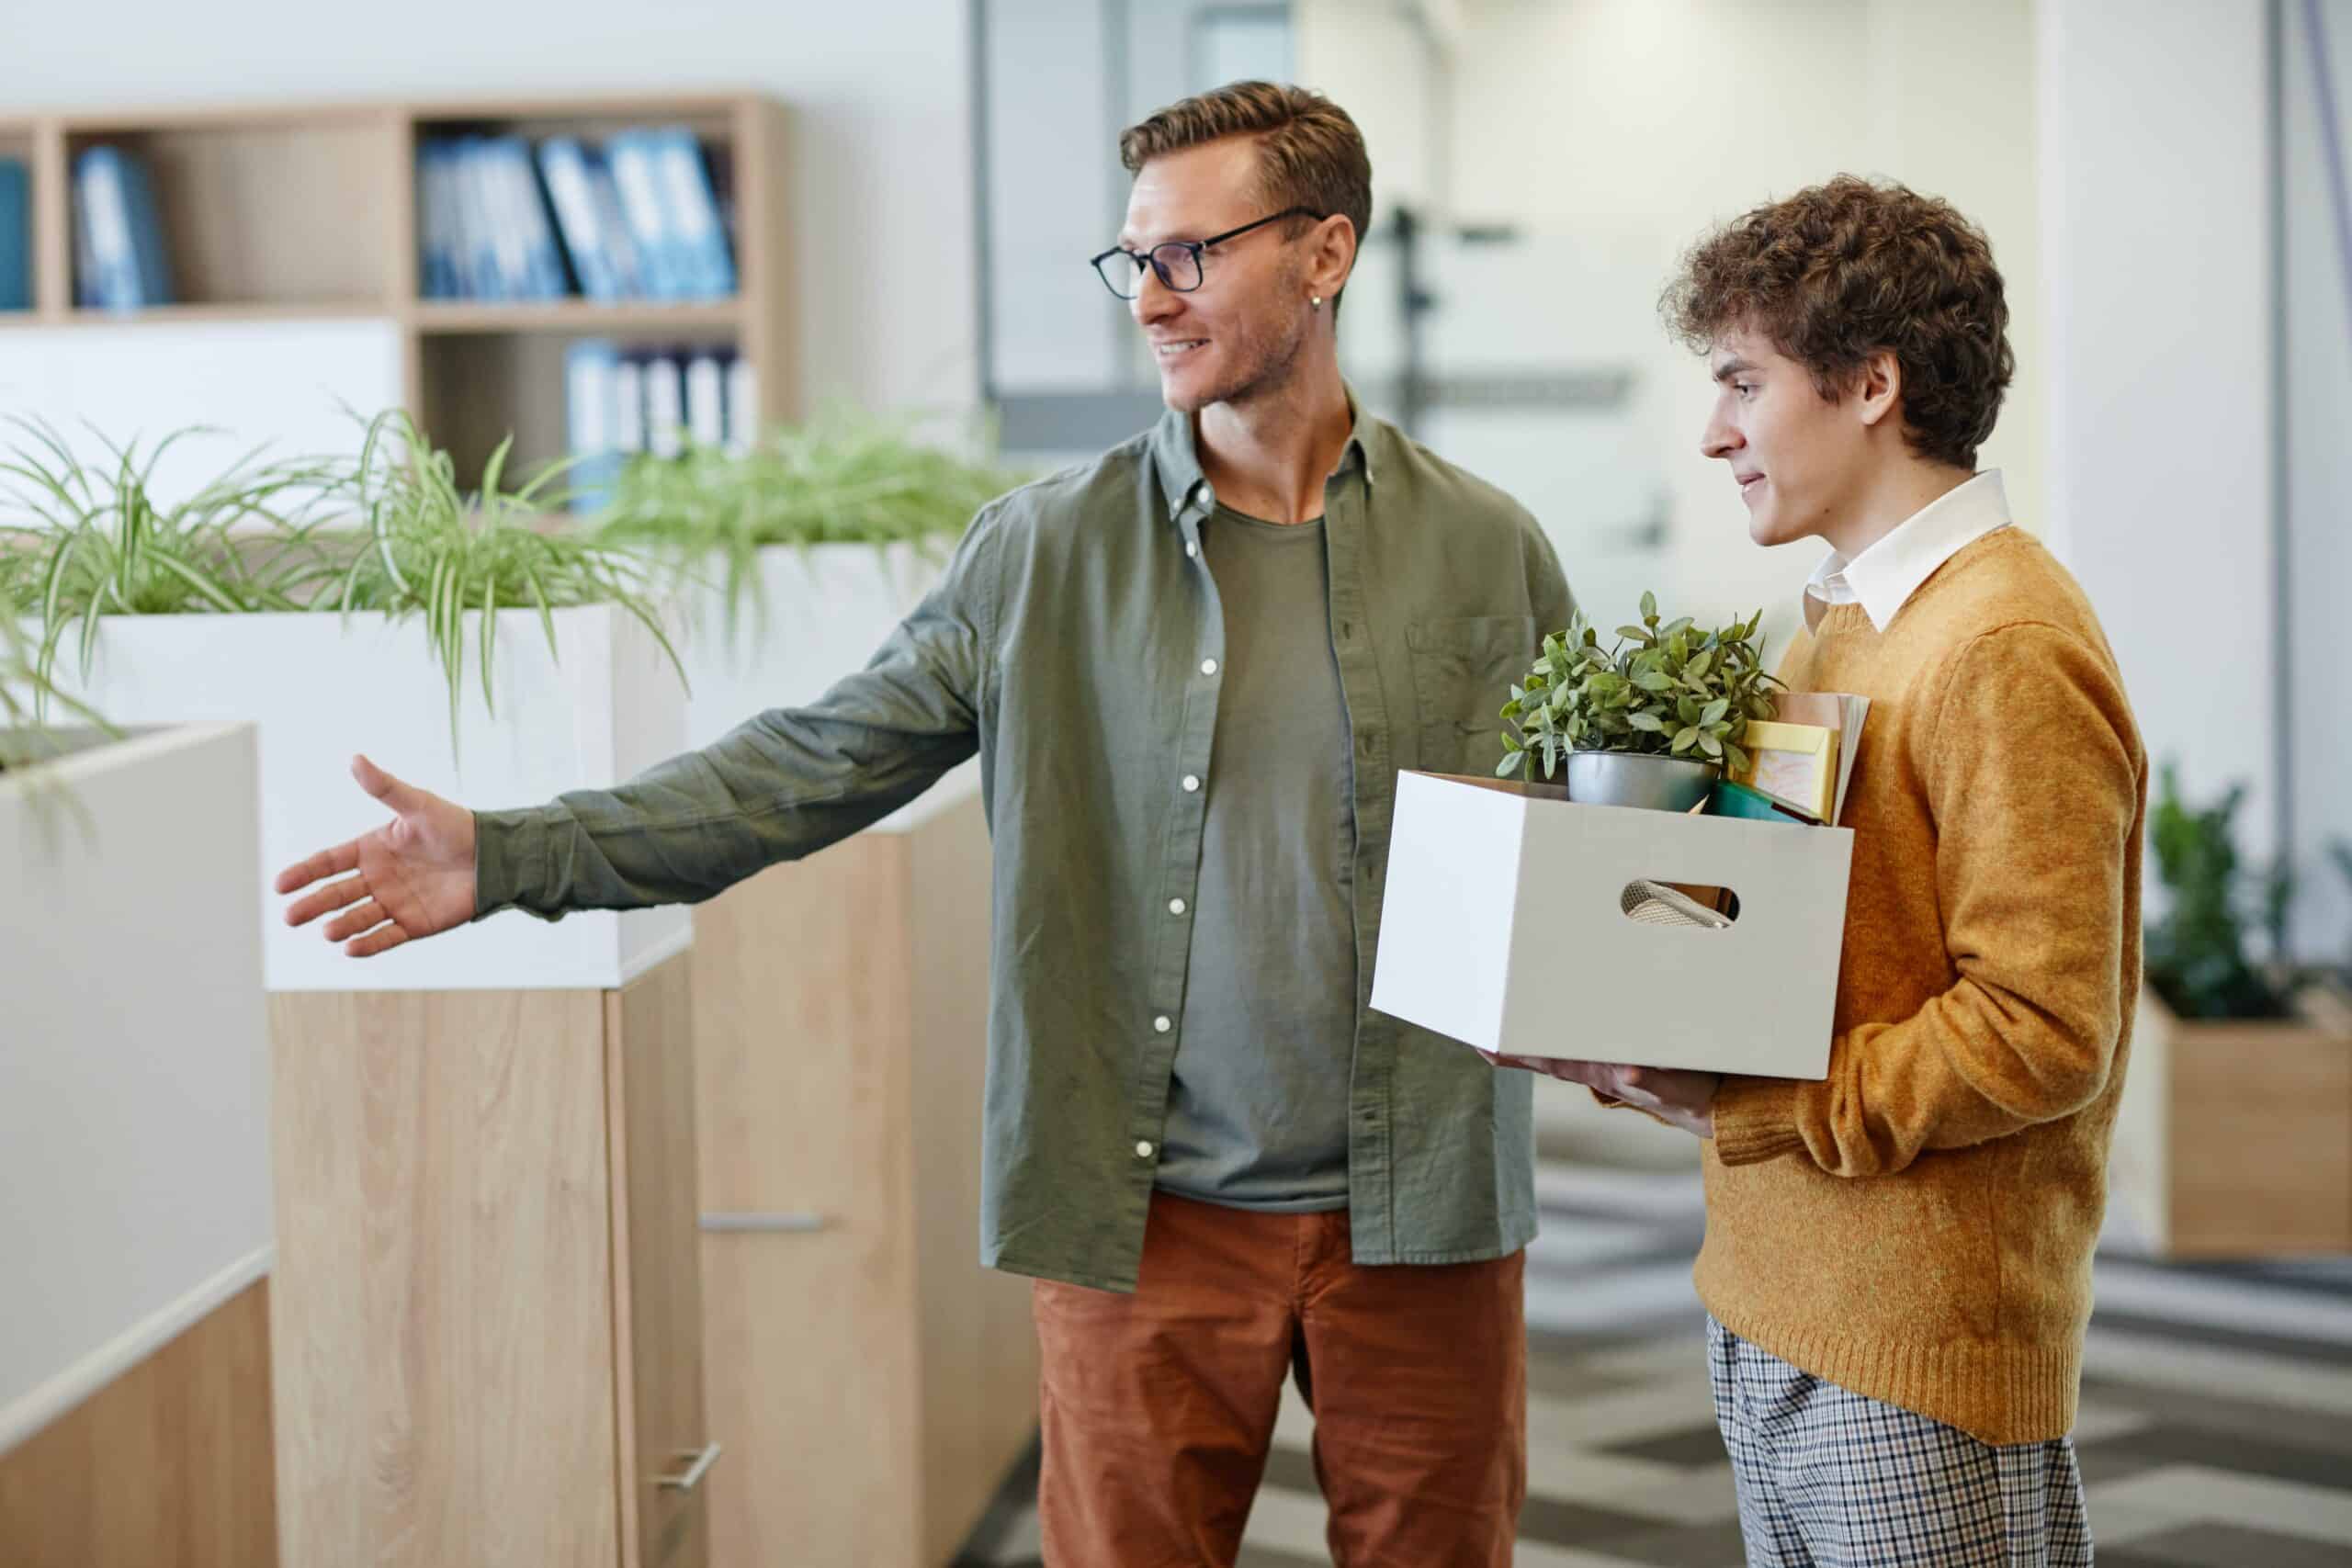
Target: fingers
[
  {"x": 1550, "y": 1067},
  {"x": 382, "y": 939},
  {"x": 366, "y": 931},
  {"x": 326, "y": 862},
  {"x": 332, "y": 897},
  {"x": 401, "y": 798},
  {"x": 366, "y": 917}
]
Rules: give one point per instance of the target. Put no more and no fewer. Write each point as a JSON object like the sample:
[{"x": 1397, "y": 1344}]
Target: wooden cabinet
[
  {"x": 876, "y": 1383},
  {"x": 487, "y": 1337}
]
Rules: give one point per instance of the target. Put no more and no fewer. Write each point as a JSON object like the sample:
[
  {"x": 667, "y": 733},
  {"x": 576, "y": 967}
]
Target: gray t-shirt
[{"x": 1258, "y": 1099}]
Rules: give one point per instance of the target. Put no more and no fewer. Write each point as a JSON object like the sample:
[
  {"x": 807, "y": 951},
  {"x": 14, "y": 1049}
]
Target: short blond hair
[{"x": 1310, "y": 153}]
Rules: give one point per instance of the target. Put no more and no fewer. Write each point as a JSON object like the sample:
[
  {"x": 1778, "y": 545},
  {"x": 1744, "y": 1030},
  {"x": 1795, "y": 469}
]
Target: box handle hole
[{"x": 1649, "y": 903}]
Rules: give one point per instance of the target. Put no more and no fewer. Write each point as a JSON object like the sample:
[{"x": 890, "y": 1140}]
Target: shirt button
[
  {"x": 1175, "y": 906},
  {"x": 1192, "y": 783},
  {"x": 1163, "y": 1024},
  {"x": 1208, "y": 666},
  {"x": 1191, "y": 548},
  {"x": 1143, "y": 1150}
]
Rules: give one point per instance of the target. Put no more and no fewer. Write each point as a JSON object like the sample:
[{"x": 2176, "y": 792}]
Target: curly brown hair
[
  {"x": 1842, "y": 270},
  {"x": 1310, "y": 153}
]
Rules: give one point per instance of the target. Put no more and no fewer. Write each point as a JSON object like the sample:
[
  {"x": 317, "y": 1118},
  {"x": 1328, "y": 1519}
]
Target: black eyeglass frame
[{"x": 1197, "y": 247}]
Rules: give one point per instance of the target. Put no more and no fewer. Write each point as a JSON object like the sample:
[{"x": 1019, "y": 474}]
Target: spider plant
[
  {"x": 847, "y": 476},
  {"x": 98, "y": 542},
  {"x": 431, "y": 549}
]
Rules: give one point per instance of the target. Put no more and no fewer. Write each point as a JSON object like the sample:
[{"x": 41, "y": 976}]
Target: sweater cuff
[
  {"x": 510, "y": 856},
  {"x": 1756, "y": 1120}
]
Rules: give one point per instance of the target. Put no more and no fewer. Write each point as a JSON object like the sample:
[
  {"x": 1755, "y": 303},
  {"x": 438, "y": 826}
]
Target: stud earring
[{"x": 1318, "y": 301}]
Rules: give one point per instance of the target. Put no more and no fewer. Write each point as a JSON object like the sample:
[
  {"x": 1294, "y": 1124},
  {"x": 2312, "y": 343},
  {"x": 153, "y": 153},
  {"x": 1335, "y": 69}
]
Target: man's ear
[
  {"x": 1333, "y": 256},
  {"x": 1880, "y": 386}
]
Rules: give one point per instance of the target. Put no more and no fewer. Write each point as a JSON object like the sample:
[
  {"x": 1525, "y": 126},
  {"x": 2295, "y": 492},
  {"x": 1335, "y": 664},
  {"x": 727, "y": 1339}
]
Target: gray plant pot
[{"x": 1653, "y": 784}]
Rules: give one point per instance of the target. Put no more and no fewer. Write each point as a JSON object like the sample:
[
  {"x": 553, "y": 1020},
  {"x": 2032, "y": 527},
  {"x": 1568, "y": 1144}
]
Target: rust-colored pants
[{"x": 1159, "y": 1407}]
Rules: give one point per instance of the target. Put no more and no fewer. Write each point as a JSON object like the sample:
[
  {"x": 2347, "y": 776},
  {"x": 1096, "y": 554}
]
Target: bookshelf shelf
[
  {"x": 291, "y": 213},
  {"x": 184, "y": 315},
  {"x": 438, "y": 317}
]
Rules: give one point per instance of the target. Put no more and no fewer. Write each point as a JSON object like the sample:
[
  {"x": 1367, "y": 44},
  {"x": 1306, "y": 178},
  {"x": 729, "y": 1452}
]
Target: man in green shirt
[{"x": 1192, "y": 669}]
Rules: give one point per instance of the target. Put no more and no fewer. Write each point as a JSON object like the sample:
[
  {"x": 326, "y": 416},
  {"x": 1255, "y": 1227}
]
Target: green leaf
[
  {"x": 1647, "y": 721},
  {"x": 1710, "y": 746},
  {"x": 1649, "y": 607},
  {"x": 1685, "y": 741},
  {"x": 1652, "y": 681},
  {"x": 1715, "y": 711},
  {"x": 1637, "y": 634}
]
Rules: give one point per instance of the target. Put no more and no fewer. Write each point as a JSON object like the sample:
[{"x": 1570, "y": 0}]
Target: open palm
[{"x": 414, "y": 875}]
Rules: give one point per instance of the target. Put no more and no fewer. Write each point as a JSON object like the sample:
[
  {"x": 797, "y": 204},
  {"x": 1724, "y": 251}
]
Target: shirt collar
[
  {"x": 1884, "y": 577},
  {"x": 1178, "y": 461}
]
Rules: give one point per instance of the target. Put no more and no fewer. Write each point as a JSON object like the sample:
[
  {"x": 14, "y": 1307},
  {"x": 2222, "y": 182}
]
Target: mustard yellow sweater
[{"x": 1918, "y": 1227}]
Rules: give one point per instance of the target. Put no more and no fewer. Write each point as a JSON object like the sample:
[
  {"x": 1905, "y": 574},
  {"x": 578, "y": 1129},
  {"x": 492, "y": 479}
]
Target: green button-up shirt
[{"x": 1074, "y": 641}]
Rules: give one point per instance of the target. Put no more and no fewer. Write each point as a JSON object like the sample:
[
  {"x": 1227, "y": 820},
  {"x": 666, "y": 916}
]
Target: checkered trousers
[{"x": 1828, "y": 1479}]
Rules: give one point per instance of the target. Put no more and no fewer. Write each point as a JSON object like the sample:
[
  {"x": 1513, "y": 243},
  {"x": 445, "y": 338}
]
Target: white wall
[
  {"x": 2155, "y": 147},
  {"x": 2318, "y": 486},
  {"x": 880, "y": 169}
]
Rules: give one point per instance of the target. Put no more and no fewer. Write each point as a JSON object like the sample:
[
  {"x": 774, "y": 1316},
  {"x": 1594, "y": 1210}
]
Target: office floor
[{"x": 2216, "y": 1426}]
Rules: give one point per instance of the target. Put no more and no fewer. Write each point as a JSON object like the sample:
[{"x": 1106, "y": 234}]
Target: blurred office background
[{"x": 2166, "y": 189}]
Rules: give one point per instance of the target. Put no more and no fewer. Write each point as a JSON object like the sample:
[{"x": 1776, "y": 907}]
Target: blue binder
[
  {"x": 572, "y": 191},
  {"x": 149, "y": 256},
  {"x": 706, "y": 268},
  {"x": 620, "y": 246},
  {"x": 110, "y": 277},
  {"x": 435, "y": 239},
  {"x": 592, "y": 420},
  {"x": 16, "y": 236},
  {"x": 532, "y": 240},
  {"x": 481, "y": 264},
  {"x": 637, "y": 174}
]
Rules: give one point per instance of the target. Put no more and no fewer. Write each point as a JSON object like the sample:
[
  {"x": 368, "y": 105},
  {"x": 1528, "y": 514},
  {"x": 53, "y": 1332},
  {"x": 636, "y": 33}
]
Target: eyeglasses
[{"x": 1178, "y": 262}]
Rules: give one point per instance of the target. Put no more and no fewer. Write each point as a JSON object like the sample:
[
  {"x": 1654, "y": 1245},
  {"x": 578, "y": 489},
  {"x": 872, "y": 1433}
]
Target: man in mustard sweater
[{"x": 1898, "y": 1259}]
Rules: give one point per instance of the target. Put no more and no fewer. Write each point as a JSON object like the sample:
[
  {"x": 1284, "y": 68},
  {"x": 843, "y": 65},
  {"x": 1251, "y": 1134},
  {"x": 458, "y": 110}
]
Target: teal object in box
[
  {"x": 1731, "y": 800},
  {"x": 16, "y": 235}
]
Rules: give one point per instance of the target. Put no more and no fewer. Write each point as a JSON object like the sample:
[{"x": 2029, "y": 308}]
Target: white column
[{"x": 2156, "y": 246}]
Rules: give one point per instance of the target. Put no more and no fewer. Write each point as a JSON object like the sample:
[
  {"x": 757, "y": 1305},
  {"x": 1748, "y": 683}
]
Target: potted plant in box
[
  {"x": 1647, "y": 722},
  {"x": 826, "y": 533},
  {"x": 2234, "y": 1135}
]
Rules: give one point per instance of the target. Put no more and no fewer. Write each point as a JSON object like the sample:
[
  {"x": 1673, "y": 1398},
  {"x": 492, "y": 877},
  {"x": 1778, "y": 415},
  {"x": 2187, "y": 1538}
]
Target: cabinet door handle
[
  {"x": 762, "y": 1220},
  {"x": 691, "y": 1477}
]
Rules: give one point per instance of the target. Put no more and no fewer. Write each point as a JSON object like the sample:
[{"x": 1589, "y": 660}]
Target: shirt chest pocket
[{"x": 1463, "y": 672}]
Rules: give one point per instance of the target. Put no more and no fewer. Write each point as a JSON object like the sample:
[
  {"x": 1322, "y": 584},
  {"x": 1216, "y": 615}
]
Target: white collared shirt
[{"x": 1884, "y": 577}]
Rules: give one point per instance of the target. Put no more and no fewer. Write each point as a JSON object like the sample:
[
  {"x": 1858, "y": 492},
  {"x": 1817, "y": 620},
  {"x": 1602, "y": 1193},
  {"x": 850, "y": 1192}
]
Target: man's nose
[
  {"x": 1721, "y": 438},
  {"x": 1154, "y": 300}
]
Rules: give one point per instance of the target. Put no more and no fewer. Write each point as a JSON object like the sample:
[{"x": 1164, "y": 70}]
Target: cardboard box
[{"x": 1502, "y": 928}]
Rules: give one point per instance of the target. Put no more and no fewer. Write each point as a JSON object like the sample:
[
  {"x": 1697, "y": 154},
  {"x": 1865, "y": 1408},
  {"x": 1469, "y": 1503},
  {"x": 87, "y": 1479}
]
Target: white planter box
[
  {"x": 320, "y": 688},
  {"x": 134, "y": 1059},
  {"x": 1502, "y": 926},
  {"x": 830, "y": 607}
]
